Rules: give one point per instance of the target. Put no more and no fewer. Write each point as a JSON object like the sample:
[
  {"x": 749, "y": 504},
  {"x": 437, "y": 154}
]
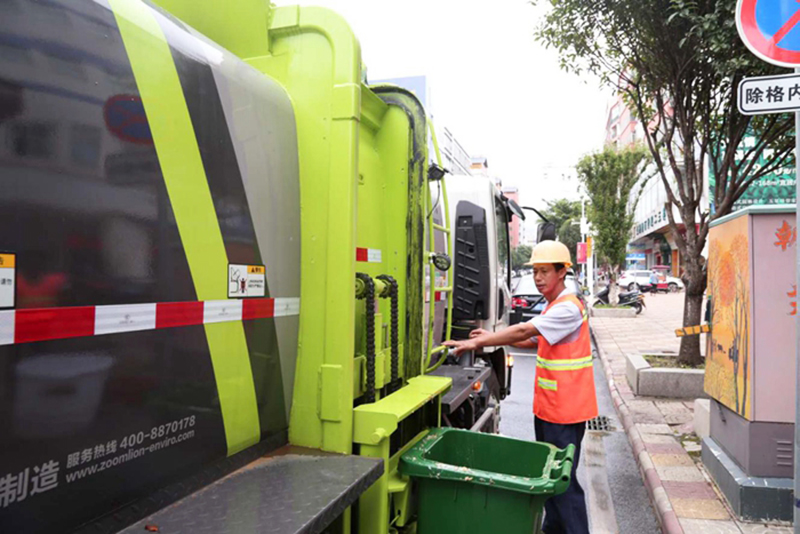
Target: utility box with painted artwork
[{"x": 750, "y": 367}]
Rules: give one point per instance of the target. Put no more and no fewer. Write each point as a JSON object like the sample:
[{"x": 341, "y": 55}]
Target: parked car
[
  {"x": 630, "y": 279},
  {"x": 527, "y": 302}
]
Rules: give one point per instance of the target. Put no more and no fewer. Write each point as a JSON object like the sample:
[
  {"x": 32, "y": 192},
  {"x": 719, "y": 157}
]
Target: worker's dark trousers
[{"x": 565, "y": 513}]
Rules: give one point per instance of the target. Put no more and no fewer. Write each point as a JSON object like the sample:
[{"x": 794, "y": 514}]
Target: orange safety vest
[{"x": 564, "y": 390}]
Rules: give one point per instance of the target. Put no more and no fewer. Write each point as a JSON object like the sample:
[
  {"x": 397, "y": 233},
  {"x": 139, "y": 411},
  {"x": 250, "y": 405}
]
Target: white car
[{"x": 630, "y": 279}]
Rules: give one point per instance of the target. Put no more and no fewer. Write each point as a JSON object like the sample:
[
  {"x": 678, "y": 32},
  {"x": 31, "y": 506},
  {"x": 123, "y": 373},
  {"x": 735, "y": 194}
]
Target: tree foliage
[
  {"x": 566, "y": 215},
  {"x": 678, "y": 64},
  {"x": 610, "y": 177},
  {"x": 562, "y": 210},
  {"x": 570, "y": 234},
  {"x": 520, "y": 256}
]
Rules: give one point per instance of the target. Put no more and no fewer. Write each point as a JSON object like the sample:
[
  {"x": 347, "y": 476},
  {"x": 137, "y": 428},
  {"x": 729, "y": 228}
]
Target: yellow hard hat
[{"x": 550, "y": 252}]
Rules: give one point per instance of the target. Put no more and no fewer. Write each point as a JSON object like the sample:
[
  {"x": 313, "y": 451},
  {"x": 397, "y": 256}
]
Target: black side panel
[
  {"x": 471, "y": 291},
  {"x": 236, "y": 224},
  {"x": 84, "y": 207}
]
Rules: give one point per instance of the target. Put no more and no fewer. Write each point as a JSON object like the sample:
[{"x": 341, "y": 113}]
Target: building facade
[
  {"x": 515, "y": 228},
  {"x": 455, "y": 157},
  {"x": 622, "y": 128}
]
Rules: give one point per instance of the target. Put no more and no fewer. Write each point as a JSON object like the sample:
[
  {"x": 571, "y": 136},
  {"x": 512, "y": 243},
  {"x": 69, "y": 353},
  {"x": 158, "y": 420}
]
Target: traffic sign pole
[{"x": 796, "y": 500}]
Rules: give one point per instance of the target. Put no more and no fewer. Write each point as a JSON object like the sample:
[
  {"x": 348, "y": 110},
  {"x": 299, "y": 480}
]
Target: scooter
[{"x": 634, "y": 299}]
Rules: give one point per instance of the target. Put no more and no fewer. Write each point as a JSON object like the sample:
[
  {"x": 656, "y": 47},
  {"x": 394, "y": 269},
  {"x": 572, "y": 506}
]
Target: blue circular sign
[
  {"x": 770, "y": 29},
  {"x": 778, "y": 21},
  {"x": 125, "y": 118}
]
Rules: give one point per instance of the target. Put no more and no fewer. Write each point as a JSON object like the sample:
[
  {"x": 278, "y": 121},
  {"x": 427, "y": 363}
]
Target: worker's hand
[
  {"x": 461, "y": 346},
  {"x": 477, "y": 332}
]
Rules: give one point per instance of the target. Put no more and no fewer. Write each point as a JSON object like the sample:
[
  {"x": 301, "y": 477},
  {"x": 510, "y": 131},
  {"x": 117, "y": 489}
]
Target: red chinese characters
[{"x": 787, "y": 236}]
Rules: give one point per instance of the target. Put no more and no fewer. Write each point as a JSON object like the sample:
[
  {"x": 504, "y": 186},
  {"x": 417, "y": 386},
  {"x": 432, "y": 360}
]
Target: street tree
[
  {"x": 562, "y": 210},
  {"x": 565, "y": 214},
  {"x": 569, "y": 233},
  {"x": 520, "y": 256},
  {"x": 610, "y": 179},
  {"x": 678, "y": 64}
]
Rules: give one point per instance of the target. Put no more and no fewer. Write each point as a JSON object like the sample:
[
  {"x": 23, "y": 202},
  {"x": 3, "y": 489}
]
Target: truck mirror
[
  {"x": 514, "y": 209},
  {"x": 546, "y": 232}
]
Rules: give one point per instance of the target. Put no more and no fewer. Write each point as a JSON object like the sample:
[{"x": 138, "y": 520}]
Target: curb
[{"x": 658, "y": 495}]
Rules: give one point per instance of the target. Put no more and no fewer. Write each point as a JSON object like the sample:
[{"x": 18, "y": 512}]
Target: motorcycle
[{"x": 634, "y": 299}]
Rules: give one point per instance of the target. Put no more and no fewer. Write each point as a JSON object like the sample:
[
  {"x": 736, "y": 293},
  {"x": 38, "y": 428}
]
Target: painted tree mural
[
  {"x": 739, "y": 351},
  {"x": 728, "y": 366}
]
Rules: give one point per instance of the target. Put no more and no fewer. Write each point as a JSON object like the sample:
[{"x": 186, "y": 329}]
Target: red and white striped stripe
[
  {"x": 369, "y": 255},
  {"x": 42, "y": 324}
]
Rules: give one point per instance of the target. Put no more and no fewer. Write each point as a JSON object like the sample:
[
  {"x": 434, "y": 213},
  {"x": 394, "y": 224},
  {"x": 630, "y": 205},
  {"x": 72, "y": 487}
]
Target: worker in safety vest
[{"x": 564, "y": 396}]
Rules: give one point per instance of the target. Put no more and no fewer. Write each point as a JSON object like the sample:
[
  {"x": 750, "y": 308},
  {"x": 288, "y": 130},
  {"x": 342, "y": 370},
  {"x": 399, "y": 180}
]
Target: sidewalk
[{"x": 661, "y": 431}]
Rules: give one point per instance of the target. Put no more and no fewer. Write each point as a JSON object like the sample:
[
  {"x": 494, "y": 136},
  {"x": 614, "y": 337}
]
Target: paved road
[{"x": 617, "y": 498}]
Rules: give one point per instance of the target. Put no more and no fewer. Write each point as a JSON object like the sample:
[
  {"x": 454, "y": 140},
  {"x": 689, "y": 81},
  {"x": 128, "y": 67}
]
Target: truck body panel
[
  {"x": 118, "y": 366},
  {"x": 192, "y": 199}
]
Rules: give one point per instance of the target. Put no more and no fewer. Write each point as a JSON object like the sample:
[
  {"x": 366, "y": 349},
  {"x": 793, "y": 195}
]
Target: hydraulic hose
[
  {"x": 369, "y": 296},
  {"x": 395, "y": 334}
]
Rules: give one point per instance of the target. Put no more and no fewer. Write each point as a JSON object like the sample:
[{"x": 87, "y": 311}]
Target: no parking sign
[
  {"x": 771, "y": 29},
  {"x": 125, "y": 118}
]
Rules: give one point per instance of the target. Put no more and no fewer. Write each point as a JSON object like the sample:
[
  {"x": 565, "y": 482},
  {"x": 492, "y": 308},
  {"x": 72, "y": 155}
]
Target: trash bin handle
[{"x": 561, "y": 473}]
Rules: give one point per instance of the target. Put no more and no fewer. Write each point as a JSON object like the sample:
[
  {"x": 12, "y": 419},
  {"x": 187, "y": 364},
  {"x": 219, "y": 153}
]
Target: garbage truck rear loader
[{"x": 213, "y": 262}]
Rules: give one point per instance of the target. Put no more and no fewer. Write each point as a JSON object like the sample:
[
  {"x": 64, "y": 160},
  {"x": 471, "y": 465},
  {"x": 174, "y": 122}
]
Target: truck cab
[
  {"x": 479, "y": 214},
  {"x": 479, "y": 218}
]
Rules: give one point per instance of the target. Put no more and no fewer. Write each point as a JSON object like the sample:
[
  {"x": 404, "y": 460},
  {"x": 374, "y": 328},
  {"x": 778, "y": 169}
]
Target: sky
[{"x": 500, "y": 93}]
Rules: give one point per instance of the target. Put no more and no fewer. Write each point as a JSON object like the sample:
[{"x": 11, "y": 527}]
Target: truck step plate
[{"x": 290, "y": 491}]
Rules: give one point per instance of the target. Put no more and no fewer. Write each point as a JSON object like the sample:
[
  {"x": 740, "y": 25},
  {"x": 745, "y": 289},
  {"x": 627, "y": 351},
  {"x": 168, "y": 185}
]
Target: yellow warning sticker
[
  {"x": 8, "y": 280},
  {"x": 246, "y": 281},
  {"x": 8, "y": 261}
]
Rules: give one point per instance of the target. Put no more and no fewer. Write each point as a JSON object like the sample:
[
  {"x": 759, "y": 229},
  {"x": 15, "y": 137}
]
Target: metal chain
[
  {"x": 369, "y": 297},
  {"x": 395, "y": 321}
]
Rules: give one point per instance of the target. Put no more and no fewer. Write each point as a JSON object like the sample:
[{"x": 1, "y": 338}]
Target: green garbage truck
[{"x": 224, "y": 275}]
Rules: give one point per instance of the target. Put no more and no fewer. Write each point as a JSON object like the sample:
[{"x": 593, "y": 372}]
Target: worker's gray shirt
[{"x": 561, "y": 323}]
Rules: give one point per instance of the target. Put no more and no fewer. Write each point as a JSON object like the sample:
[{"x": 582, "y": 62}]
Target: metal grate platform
[
  {"x": 291, "y": 491},
  {"x": 601, "y": 423}
]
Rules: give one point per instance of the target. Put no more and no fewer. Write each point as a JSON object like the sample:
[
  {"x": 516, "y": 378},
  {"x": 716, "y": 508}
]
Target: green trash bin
[{"x": 479, "y": 483}]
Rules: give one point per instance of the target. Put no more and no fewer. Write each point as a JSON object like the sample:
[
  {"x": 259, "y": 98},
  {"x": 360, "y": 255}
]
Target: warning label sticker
[
  {"x": 247, "y": 281},
  {"x": 8, "y": 279}
]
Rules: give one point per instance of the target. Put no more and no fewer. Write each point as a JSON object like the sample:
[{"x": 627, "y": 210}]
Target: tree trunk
[
  {"x": 690, "y": 345},
  {"x": 613, "y": 293},
  {"x": 695, "y": 279},
  {"x": 613, "y": 288}
]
